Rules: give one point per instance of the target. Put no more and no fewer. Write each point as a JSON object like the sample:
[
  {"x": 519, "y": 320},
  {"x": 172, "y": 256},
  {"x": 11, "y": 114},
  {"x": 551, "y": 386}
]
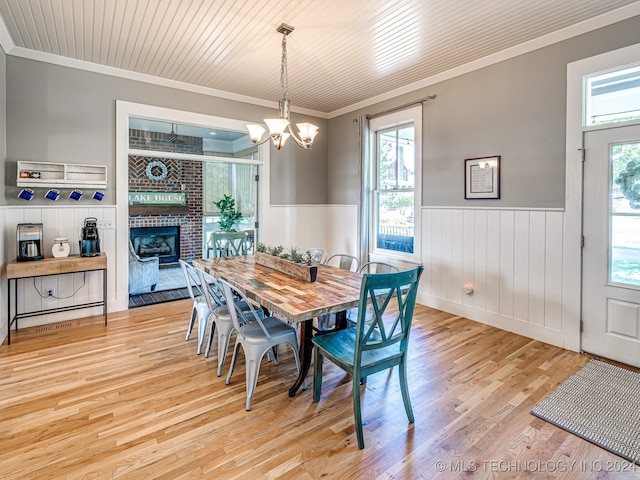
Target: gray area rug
[{"x": 600, "y": 403}]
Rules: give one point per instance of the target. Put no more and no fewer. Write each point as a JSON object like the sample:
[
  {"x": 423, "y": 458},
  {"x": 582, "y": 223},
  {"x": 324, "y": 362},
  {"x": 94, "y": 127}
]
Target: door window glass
[{"x": 625, "y": 214}]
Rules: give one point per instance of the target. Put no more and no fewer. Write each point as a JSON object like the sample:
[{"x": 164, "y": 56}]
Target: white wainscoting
[
  {"x": 60, "y": 222},
  {"x": 333, "y": 228},
  {"x": 511, "y": 258}
]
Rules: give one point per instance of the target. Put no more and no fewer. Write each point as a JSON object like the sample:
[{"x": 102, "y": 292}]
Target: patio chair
[
  {"x": 256, "y": 337},
  {"x": 228, "y": 244},
  {"x": 376, "y": 345}
]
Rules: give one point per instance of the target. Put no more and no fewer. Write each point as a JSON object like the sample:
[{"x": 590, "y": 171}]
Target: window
[
  {"x": 163, "y": 136},
  {"x": 235, "y": 179},
  {"x": 396, "y": 182},
  {"x": 613, "y": 96}
]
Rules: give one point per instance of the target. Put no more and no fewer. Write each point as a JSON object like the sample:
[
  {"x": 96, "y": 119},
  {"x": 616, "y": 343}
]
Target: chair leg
[
  {"x": 224, "y": 336},
  {"x": 208, "y": 349},
  {"x": 209, "y": 343},
  {"x": 191, "y": 321},
  {"x": 202, "y": 329},
  {"x": 233, "y": 361},
  {"x": 357, "y": 413},
  {"x": 252, "y": 359},
  {"x": 317, "y": 374},
  {"x": 404, "y": 388}
]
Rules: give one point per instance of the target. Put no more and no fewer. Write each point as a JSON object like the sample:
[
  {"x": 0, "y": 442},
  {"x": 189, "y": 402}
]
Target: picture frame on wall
[{"x": 482, "y": 178}]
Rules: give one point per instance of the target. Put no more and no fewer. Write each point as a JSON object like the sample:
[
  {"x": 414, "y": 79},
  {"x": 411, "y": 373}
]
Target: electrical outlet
[
  {"x": 51, "y": 292},
  {"x": 105, "y": 224}
]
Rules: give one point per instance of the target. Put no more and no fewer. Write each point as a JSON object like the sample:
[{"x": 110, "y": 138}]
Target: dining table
[{"x": 291, "y": 299}]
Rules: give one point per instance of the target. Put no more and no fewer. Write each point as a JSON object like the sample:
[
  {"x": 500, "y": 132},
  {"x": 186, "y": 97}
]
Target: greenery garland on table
[
  {"x": 294, "y": 255},
  {"x": 629, "y": 181}
]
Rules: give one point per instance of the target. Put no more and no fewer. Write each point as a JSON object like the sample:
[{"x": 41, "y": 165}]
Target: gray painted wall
[
  {"x": 3, "y": 117},
  {"x": 515, "y": 109},
  {"x": 61, "y": 114}
]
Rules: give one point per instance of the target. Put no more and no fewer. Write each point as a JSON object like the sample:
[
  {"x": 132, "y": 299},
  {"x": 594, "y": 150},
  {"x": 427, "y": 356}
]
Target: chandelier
[{"x": 279, "y": 128}]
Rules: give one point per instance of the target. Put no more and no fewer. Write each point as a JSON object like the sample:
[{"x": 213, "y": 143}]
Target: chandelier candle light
[{"x": 278, "y": 126}]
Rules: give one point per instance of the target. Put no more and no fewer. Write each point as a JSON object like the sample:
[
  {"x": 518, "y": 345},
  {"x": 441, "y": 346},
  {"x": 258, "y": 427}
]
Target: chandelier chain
[{"x": 284, "y": 74}]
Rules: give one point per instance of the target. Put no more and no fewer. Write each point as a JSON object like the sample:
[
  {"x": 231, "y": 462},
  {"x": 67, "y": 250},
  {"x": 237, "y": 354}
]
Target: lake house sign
[{"x": 157, "y": 198}]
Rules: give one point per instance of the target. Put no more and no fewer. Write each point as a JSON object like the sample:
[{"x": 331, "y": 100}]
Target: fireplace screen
[{"x": 161, "y": 242}]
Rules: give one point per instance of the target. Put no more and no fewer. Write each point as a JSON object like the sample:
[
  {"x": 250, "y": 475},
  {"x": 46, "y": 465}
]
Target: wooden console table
[{"x": 53, "y": 266}]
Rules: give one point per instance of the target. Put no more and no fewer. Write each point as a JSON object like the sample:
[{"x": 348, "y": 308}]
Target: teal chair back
[{"x": 378, "y": 342}]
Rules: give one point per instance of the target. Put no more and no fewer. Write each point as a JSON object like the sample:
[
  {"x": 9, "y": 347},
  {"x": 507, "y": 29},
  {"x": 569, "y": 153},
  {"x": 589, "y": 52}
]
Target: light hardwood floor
[{"x": 133, "y": 400}]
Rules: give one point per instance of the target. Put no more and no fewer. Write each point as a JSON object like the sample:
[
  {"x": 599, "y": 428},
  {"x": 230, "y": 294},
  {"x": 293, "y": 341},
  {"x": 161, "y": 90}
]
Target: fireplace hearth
[{"x": 161, "y": 242}]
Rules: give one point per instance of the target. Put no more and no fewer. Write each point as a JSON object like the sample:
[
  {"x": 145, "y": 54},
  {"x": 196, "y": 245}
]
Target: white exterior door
[{"x": 611, "y": 253}]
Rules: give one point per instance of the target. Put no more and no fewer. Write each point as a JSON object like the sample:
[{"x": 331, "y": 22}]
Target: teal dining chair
[{"x": 377, "y": 343}]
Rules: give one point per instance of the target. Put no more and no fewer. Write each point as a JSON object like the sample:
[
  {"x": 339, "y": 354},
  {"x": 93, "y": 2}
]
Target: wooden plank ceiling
[{"x": 342, "y": 51}]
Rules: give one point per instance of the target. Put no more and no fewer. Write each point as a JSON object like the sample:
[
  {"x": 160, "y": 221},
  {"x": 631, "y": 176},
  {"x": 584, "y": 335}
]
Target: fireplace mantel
[{"x": 158, "y": 209}]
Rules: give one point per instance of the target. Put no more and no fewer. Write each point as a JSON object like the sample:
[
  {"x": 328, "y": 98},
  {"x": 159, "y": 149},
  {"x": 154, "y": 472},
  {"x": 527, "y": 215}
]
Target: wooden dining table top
[{"x": 287, "y": 297}]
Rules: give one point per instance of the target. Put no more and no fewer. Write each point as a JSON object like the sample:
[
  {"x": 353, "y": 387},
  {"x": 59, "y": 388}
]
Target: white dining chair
[
  {"x": 219, "y": 318},
  {"x": 318, "y": 255},
  {"x": 344, "y": 261},
  {"x": 256, "y": 338},
  {"x": 200, "y": 308}
]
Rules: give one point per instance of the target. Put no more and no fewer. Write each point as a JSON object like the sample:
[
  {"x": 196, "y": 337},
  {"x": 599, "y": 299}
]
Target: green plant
[
  {"x": 293, "y": 255},
  {"x": 229, "y": 216},
  {"x": 275, "y": 251},
  {"x": 300, "y": 257}
]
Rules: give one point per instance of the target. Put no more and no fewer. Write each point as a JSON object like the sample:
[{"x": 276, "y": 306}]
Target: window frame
[
  {"x": 588, "y": 117},
  {"x": 396, "y": 120}
]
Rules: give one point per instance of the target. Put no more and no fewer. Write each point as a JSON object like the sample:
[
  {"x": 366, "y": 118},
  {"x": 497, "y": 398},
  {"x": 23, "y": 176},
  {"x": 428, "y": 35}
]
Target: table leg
[
  {"x": 306, "y": 348},
  {"x": 341, "y": 320},
  {"x": 306, "y": 352},
  {"x": 9, "y": 311},
  {"x": 104, "y": 295}
]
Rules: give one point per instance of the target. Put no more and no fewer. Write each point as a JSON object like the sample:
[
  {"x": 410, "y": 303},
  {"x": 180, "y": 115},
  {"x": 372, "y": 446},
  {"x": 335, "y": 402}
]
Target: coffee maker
[
  {"x": 29, "y": 241},
  {"x": 89, "y": 238}
]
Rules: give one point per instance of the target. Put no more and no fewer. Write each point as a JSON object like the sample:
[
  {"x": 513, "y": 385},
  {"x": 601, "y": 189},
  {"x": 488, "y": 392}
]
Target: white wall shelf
[{"x": 61, "y": 175}]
